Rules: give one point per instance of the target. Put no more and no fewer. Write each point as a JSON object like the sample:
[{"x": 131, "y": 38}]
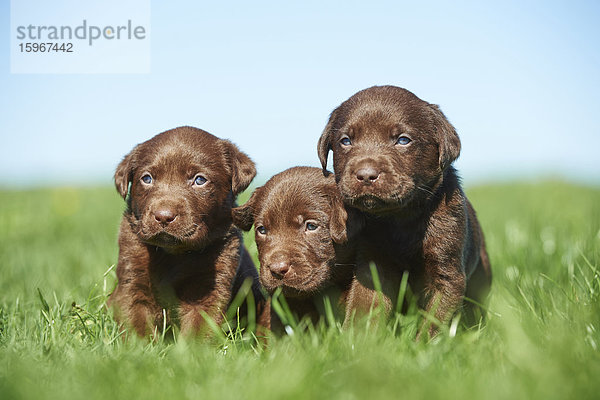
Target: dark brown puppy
[
  {"x": 300, "y": 230},
  {"x": 178, "y": 249},
  {"x": 392, "y": 156}
]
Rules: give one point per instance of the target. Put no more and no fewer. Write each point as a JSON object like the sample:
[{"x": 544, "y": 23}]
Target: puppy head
[
  {"x": 298, "y": 215},
  {"x": 390, "y": 148},
  {"x": 183, "y": 184}
]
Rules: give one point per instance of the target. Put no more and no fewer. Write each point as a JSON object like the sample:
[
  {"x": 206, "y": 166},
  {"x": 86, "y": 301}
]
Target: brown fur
[
  {"x": 178, "y": 249},
  {"x": 306, "y": 264},
  {"x": 418, "y": 219}
]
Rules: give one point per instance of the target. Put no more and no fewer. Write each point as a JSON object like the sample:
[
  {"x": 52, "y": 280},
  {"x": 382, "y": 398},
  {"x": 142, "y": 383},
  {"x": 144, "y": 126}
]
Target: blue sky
[{"x": 520, "y": 81}]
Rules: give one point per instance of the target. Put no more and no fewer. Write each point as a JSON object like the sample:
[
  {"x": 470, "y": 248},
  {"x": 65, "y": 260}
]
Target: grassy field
[{"x": 541, "y": 340}]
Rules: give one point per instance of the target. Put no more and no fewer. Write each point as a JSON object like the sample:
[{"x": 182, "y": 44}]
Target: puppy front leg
[
  {"x": 132, "y": 310},
  {"x": 445, "y": 287},
  {"x": 196, "y": 318},
  {"x": 133, "y": 299},
  {"x": 361, "y": 299},
  {"x": 134, "y": 305},
  {"x": 145, "y": 319}
]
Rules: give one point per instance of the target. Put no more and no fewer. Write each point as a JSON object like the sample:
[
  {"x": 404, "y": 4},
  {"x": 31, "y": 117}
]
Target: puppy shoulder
[{"x": 447, "y": 224}]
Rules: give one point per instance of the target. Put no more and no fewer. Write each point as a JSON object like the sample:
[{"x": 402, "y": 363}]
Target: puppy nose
[
  {"x": 279, "y": 269},
  {"x": 164, "y": 216},
  {"x": 367, "y": 174}
]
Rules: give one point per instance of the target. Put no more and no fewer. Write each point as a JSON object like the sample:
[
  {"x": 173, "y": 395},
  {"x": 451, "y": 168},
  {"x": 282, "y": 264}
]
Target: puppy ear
[
  {"x": 325, "y": 141},
  {"x": 243, "y": 216},
  {"x": 448, "y": 138},
  {"x": 243, "y": 169},
  {"x": 124, "y": 174},
  {"x": 338, "y": 219}
]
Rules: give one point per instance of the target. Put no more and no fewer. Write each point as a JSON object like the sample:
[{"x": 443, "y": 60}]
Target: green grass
[{"x": 541, "y": 340}]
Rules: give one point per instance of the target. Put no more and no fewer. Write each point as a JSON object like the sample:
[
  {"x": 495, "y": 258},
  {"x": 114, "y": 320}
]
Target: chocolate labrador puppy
[
  {"x": 180, "y": 257},
  {"x": 303, "y": 248},
  {"x": 392, "y": 156}
]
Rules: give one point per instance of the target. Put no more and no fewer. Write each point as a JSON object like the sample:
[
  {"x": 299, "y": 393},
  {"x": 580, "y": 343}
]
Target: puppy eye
[
  {"x": 310, "y": 226},
  {"x": 403, "y": 140},
  {"x": 346, "y": 141},
  {"x": 199, "y": 180},
  {"x": 261, "y": 229},
  {"x": 147, "y": 179}
]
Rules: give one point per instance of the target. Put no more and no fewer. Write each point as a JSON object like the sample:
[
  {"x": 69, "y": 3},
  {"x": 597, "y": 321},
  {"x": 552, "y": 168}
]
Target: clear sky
[{"x": 520, "y": 81}]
